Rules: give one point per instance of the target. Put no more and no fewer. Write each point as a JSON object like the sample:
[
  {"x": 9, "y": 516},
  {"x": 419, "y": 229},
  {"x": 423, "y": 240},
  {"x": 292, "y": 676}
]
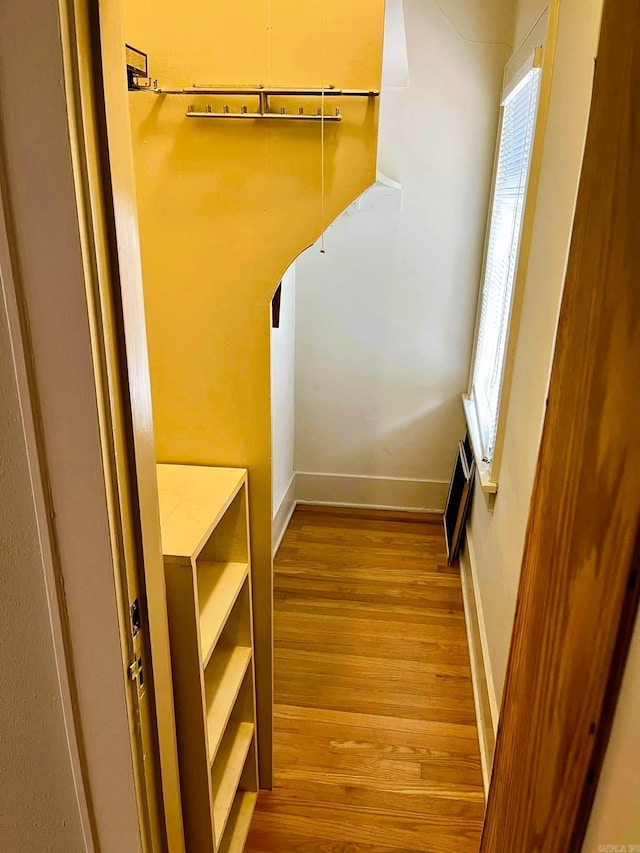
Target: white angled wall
[{"x": 385, "y": 319}]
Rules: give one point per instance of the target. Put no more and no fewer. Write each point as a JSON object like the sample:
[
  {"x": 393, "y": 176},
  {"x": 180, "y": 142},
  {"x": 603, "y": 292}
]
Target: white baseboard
[
  {"x": 363, "y": 492},
  {"x": 483, "y": 687},
  {"x": 482, "y": 625},
  {"x": 283, "y": 514},
  {"x": 371, "y": 492}
]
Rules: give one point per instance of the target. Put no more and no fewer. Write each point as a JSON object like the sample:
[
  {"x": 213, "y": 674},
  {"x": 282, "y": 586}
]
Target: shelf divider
[
  {"x": 219, "y": 585},
  {"x": 227, "y": 770},
  {"x": 239, "y": 822},
  {"x": 223, "y": 678}
]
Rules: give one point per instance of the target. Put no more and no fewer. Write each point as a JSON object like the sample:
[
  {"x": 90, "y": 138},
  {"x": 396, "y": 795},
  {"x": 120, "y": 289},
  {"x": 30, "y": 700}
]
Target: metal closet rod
[{"x": 263, "y": 90}]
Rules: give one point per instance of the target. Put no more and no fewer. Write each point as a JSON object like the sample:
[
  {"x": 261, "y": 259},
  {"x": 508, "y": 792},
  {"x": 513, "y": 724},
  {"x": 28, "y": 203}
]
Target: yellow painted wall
[{"x": 224, "y": 207}]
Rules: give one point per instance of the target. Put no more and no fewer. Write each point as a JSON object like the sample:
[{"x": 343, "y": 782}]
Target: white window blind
[{"x": 512, "y": 173}]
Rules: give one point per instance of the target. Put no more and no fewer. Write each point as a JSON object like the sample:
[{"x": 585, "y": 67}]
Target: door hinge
[
  {"x": 135, "y": 671},
  {"x": 135, "y": 616}
]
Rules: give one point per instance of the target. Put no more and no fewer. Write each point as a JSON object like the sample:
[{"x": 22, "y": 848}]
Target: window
[{"x": 519, "y": 107}]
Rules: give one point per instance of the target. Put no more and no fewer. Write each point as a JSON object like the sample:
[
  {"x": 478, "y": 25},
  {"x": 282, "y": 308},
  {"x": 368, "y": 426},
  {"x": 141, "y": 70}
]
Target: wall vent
[{"x": 459, "y": 497}]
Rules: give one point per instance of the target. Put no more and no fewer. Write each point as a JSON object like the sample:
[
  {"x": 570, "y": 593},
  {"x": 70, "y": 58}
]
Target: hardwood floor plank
[
  {"x": 335, "y": 823},
  {"x": 372, "y": 623},
  {"x": 427, "y": 727},
  {"x": 386, "y": 737},
  {"x": 375, "y": 744},
  {"x": 331, "y": 661},
  {"x": 418, "y": 799},
  {"x": 397, "y": 649},
  {"x": 443, "y": 625}
]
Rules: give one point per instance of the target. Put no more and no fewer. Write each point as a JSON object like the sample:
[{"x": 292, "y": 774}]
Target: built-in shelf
[
  {"x": 239, "y": 822},
  {"x": 204, "y": 518},
  {"x": 223, "y": 678},
  {"x": 193, "y": 499},
  {"x": 227, "y": 770},
  {"x": 218, "y": 587}
]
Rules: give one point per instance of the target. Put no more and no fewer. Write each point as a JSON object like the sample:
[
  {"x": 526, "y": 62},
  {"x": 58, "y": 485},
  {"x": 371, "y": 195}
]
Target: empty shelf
[
  {"x": 193, "y": 499},
  {"x": 227, "y": 770},
  {"x": 239, "y": 822},
  {"x": 218, "y": 588},
  {"x": 223, "y": 679}
]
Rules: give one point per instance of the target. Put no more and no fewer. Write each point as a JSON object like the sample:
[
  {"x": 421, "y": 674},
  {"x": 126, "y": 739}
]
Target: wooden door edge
[{"x": 579, "y": 589}]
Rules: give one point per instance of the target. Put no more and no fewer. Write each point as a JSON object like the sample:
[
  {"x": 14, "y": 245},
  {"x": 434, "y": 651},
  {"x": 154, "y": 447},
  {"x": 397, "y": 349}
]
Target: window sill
[{"x": 488, "y": 485}]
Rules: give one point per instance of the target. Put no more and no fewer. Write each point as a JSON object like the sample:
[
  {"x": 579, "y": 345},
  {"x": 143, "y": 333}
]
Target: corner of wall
[{"x": 283, "y": 513}]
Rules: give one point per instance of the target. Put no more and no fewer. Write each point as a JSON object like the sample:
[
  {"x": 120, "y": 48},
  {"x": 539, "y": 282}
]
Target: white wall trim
[
  {"x": 479, "y": 676},
  {"x": 493, "y": 702},
  {"x": 349, "y": 490},
  {"x": 282, "y": 516},
  {"x": 371, "y": 492}
]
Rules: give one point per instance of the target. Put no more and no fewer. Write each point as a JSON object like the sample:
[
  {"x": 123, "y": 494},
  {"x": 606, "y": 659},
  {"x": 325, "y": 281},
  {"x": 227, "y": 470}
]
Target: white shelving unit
[{"x": 207, "y": 561}]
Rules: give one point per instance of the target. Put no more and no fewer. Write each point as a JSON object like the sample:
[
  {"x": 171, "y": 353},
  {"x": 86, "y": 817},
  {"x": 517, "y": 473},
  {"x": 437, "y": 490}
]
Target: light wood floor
[{"x": 375, "y": 739}]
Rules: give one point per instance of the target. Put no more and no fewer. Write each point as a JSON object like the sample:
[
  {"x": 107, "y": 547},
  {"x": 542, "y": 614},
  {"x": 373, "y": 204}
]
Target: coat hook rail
[
  {"x": 262, "y": 93},
  {"x": 261, "y": 116}
]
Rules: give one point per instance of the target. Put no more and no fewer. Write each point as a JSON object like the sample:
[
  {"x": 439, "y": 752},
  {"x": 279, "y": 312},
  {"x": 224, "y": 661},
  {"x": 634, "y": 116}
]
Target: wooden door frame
[
  {"x": 71, "y": 290},
  {"x": 48, "y": 285},
  {"x": 101, "y": 135},
  {"x": 579, "y": 588}
]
